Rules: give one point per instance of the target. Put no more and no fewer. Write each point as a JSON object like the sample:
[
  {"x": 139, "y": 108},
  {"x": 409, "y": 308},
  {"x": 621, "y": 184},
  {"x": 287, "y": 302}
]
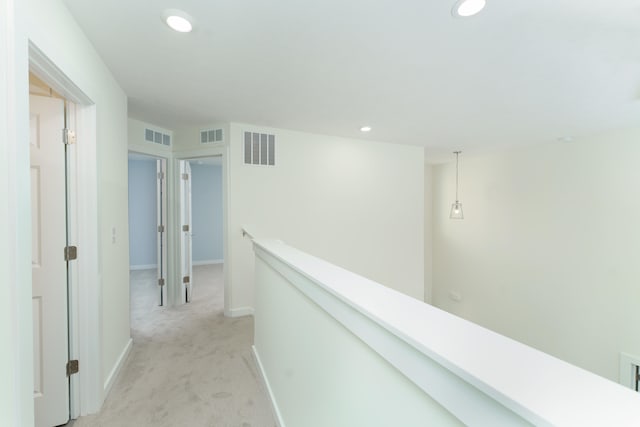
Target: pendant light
[{"x": 456, "y": 207}]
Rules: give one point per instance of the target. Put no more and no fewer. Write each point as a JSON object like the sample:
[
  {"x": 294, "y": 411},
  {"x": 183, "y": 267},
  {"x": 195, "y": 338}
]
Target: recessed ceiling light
[
  {"x": 365, "y": 129},
  {"x": 178, "y": 20},
  {"x": 466, "y": 8}
]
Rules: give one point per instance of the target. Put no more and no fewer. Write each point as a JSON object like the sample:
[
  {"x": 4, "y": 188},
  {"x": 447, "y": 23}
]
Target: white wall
[
  {"x": 16, "y": 331},
  {"x": 357, "y": 204},
  {"x": 548, "y": 250},
  {"x": 52, "y": 28},
  {"x": 137, "y": 143}
]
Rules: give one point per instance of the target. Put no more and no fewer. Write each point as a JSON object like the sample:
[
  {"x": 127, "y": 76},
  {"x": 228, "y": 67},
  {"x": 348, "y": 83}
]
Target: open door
[
  {"x": 49, "y": 268},
  {"x": 161, "y": 209},
  {"x": 186, "y": 232}
]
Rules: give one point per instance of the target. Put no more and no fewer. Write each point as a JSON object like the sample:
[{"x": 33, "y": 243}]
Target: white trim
[
  {"x": 239, "y": 312},
  {"x": 265, "y": 381},
  {"x": 143, "y": 267},
  {"x": 113, "y": 375},
  {"x": 209, "y": 262}
]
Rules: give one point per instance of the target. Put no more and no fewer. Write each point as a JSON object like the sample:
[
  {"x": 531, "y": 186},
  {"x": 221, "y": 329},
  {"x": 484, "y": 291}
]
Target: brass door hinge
[
  {"x": 185, "y": 279},
  {"x": 73, "y": 367},
  {"x": 70, "y": 253},
  {"x": 161, "y": 282},
  {"x": 185, "y": 227},
  {"x": 161, "y": 229}
]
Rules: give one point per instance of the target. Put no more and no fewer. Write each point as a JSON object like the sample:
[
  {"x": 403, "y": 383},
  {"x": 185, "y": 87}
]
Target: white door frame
[
  {"x": 165, "y": 256},
  {"x": 85, "y": 305},
  {"x": 174, "y": 222}
]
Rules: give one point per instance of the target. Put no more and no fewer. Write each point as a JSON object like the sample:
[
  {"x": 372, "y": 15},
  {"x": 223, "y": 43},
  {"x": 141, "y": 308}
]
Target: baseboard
[
  {"x": 239, "y": 312},
  {"x": 143, "y": 267},
  {"x": 113, "y": 375},
  {"x": 208, "y": 262},
  {"x": 274, "y": 406}
]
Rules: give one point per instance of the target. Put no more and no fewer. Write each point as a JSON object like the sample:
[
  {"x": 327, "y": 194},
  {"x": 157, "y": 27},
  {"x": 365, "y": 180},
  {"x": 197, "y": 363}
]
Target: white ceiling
[{"x": 520, "y": 72}]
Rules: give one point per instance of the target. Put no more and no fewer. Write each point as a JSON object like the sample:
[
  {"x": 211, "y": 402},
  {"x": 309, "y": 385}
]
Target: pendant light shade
[{"x": 456, "y": 207}]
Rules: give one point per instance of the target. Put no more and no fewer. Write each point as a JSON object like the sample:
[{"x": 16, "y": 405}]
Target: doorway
[
  {"x": 147, "y": 232},
  {"x": 202, "y": 236},
  {"x": 51, "y": 139}
]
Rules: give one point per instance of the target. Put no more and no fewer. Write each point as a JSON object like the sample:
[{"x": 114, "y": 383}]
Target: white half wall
[
  {"x": 548, "y": 250},
  {"x": 358, "y": 204}
]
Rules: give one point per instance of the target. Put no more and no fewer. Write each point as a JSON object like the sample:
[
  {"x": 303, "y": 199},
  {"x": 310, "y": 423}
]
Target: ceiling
[{"x": 520, "y": 72}]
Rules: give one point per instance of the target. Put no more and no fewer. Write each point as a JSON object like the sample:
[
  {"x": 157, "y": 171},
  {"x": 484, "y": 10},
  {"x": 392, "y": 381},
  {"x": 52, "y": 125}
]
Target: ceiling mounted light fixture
[
  {"x": 178, "y": 20},
  {"x": 465, "y": 8},
  {"x": 456, "y": 207},
  {"x": 365, "y": 129}
]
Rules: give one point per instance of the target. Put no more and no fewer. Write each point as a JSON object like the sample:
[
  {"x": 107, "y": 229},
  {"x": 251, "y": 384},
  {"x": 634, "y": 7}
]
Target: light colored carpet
[{"x": 189, "y": 366}]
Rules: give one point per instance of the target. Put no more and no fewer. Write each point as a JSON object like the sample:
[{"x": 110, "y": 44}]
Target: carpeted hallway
[{"x": 189, "y": 365}]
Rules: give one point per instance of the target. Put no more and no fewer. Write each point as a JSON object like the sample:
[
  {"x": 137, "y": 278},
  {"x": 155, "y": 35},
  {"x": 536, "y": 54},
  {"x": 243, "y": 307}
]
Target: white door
[
  {"x": 186, "y": 231},
  {"x": 49, "y": 283},
  {"x": 161, "y": 209}
]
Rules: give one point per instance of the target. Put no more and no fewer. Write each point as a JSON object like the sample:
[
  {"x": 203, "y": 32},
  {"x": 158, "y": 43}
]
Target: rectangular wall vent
[
  {"x": 210, "y": 135},
  {"x": 156, "y": 137},
  {"x": 259, "y": 149}
]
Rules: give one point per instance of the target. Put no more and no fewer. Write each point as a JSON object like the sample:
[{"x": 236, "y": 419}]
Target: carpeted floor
[{"x": 189, "y": 366}]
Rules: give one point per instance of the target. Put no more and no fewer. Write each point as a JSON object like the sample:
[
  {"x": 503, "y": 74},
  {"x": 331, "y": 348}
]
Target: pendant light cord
[{"x": 457, "y": 153}]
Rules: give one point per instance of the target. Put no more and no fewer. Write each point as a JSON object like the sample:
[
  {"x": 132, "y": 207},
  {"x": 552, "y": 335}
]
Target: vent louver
[
  {"x": 156, "y": 137},
  {"x": 259, "y": 149},
  {"x": 211, "y": 135}
]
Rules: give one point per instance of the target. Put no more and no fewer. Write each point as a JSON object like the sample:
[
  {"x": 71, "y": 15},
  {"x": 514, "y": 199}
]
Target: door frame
[
  {"x": 85, "y": 302},
  {"x": 175, "y": 226},
  {"x": 165, "y": 238}
]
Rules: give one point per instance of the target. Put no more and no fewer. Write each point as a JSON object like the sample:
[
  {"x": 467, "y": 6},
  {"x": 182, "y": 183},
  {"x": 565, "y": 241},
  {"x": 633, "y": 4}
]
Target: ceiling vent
[
  {"x": 156, "y": 137},
  {"x": 211, "y": 135},
  {"x": 259, "y": 149}
]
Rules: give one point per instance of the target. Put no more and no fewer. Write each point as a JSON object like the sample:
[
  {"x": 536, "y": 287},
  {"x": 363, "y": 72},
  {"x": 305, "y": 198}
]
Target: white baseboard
[
  {"x": 239, "y": 312},
  {"x": 274, "y": 406},
  {"x": 208, "y": 262},
  {"x": 143, "y": 267},
  {"x": 113, "y": 375}
]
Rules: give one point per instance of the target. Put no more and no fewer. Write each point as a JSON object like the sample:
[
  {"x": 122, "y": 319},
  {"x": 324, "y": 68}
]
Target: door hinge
[
  {"x": 185, "y": 176},
  {"x": 185, "y": 279},
  {"x": 68, "y": 136},
  {"x": 70, "y": 253},
  {"x": 161, "y": 229},
  {"x": 72, "y": 367},
  {"x": 161, "y": 281},
  {"x": 160, "y": 175},
  {"x": 185, "y": 227}
]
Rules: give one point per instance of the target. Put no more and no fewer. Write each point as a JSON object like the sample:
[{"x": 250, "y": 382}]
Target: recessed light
[
  {"x": 465, "y": 8},
  {"x": 178, "y": 20},
  {"x": 365, "y": 129}
]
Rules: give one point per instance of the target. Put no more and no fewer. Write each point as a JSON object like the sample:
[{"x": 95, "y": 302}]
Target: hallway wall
[
  {"x": 548, "y": 250},
  {"x": 358, "y": 204},
  {"x": 50, "y": 26}
]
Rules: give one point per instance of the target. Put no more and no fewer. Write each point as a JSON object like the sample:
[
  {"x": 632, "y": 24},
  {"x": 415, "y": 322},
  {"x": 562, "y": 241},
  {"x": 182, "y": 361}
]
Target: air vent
[
  {"x": 210, "y": 135},
  {"x": 156, "y": 137},
  {"x": 259, "y": 149}
]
